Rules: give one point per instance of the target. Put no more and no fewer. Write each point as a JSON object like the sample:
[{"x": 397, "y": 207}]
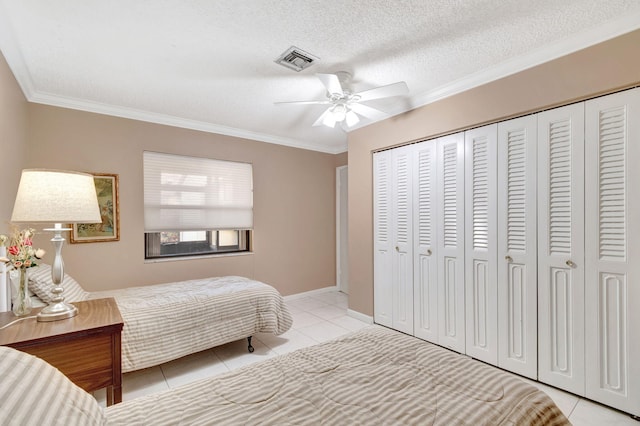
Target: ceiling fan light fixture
[
  {"x": 352, "y": 118},
  {"x": 329, "y": 120},
  {"x": 339, "y": 112},
  {"x": 344, "y": 105}
]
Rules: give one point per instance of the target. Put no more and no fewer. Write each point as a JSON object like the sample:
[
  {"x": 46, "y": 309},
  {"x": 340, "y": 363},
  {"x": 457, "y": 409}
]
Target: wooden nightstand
[{"x": 86, "y": 348}]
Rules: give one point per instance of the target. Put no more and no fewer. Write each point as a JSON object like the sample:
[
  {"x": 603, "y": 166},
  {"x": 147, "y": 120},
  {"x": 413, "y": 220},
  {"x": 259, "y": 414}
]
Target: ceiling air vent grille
[{"x": 296, "y": 59}]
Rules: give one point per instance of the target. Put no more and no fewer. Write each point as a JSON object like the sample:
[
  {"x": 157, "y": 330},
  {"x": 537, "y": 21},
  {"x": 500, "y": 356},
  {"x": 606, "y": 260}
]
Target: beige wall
[
  {"x": 13, "y": 136},
  {"x": 599, "y": 69},
  {"x": 294, "y": 201},
  {"x": 340, "y": 159}
]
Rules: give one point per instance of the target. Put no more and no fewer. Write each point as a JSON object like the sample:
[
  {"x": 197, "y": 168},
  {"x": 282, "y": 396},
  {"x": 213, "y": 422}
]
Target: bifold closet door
[
  {"x": 393, "y": 239},
  {"x": 481, "y": 282},
  {"x": 382, "y": 239},
  {"x": 612, "y": 275},
  {"x": 402, "y": 226},
  {"x": 425, "y": 270},
  {"x": 450, "y": 244},
  {"x": 561, "y": 230},
  {"x": 517, "y": 257}
]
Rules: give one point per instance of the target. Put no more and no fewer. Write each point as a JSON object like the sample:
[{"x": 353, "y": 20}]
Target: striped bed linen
[
  {"x": 372, "y": 377},
  {"x": 33, "y": 392},
  {"x": 164, "y": 322}
]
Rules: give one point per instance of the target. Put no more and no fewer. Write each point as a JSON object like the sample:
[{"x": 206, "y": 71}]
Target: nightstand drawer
[{"x": 87, "y": 361}]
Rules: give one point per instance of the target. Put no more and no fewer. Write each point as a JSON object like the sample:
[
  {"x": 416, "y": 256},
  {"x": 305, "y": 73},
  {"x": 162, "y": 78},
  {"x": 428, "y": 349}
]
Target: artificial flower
[{"x": 21, "y": 253}]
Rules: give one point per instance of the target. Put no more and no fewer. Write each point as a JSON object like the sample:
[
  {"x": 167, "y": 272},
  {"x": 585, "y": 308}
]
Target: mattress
[
  {"x": 372, "y": 377},
  {"x": 167, "y": 321}
]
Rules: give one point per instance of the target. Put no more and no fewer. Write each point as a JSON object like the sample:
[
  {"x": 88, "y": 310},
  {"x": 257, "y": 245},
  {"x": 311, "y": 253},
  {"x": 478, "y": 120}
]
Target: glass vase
[{"x": 21, "y": 299}]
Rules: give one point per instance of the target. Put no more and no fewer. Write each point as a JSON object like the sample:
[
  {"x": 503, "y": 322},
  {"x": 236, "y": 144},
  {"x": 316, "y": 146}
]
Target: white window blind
[{"x": 189, "y": 193}]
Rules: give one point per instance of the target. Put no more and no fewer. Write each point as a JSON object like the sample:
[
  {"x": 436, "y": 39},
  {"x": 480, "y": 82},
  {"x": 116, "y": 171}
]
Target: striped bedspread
[
  {"x": 33, "y": 392},
  {"x": 372, "y": 377},
  {"x": 167, "y": 321}
]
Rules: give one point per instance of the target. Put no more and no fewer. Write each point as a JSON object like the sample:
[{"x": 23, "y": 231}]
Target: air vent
[{"x": 296, "y": 59}]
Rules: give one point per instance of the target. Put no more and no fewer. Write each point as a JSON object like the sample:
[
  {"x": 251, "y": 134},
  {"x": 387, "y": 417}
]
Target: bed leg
[{"x": 249, "y": 347}]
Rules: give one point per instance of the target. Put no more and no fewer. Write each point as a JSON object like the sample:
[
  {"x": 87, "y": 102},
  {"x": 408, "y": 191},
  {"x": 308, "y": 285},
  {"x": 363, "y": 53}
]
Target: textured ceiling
[{"x": 209, "y": 65}]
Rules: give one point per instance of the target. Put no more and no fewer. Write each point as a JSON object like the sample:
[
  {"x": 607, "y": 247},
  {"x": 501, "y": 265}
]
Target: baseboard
[
  {"x": 353, "y": 314},
  {"x": 360, "y": 316},
  {"x": 311, "y": 293}
]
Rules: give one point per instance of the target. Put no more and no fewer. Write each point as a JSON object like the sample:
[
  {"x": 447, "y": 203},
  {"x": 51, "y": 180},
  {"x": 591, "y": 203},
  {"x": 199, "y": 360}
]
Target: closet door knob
[
  {"x": 428, "y": 252},
  {"x": 508, "y": 258},
  {"x": 397, "y": 248},
  {"x": 570, "y": 264}
]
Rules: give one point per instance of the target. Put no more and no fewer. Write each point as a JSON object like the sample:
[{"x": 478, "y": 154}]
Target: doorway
[{"x": 342, "y": 230}]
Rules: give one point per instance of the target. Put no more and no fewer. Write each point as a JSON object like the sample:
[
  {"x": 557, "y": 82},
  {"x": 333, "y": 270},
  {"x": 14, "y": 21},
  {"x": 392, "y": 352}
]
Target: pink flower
[
  {"x": 27, "y": 241},
  {"x": 14, "y": 250}
]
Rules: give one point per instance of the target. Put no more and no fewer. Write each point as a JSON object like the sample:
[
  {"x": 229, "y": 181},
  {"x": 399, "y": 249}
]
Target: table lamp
[{"x": 58, "y": 197}]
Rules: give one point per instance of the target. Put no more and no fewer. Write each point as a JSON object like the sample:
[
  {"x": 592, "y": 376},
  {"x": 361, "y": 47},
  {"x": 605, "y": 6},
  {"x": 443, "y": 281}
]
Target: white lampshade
[{"x": 56, "y": 196}]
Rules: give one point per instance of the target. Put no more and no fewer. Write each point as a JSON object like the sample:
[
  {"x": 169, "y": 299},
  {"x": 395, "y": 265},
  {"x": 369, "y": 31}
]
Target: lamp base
[{"x": 57, "y": 311}]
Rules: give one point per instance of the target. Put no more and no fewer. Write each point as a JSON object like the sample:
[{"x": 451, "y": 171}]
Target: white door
[
  {"x": 342, "y": 229},
  {"x": 561, "y": 248},
  {"x": 425, "y": 271},
  {"x": 382, "y": 239},
  {"x": 612, "y": 275},
  {"x": 481, "y": 282},
  {"x": 450, "y": 244},
  {"x": 517, "y": 256},
  {"x": 402, "y": 226}
]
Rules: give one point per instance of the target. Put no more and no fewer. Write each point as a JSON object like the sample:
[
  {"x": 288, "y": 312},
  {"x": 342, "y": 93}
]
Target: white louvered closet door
[
  {"x": 481, "y": 282},
  {"x": 613, "y": 250},
  {"x": 450, "y": 245},
  {"x": 561, "y": 248},
  {"x": 425, "y": 271},
  {"x": 402, "y": 226},
  {"x": 382, "y": 239},
  {"x": 517, "y": 256}
]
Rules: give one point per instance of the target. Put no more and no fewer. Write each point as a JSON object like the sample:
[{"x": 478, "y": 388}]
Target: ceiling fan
[{"x": 345, "y": 107}]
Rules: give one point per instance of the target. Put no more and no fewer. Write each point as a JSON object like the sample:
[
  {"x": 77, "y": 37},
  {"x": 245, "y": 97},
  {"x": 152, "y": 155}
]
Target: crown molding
[
  {"x": 12, "y": 54},
  {"x": 169, "y": 120}
]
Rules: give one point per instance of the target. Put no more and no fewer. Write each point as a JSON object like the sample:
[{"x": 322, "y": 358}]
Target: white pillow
[
  {"x": 36, "y": 393},
  {"x": 41, "y": 284}
]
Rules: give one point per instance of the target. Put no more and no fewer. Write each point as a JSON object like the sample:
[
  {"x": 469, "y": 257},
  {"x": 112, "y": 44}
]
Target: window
[
  {"x": 196, "y": 206},
  {"x": 195, "y": 243}
]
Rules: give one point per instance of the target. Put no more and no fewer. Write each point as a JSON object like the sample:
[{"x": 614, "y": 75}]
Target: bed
[
  {"x": 164, "y": 322},
  {"x": 372, "y": 377}
]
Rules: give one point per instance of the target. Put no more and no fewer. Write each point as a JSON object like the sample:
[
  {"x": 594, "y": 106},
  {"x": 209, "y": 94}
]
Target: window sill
[{"x": 207, "y": 256}]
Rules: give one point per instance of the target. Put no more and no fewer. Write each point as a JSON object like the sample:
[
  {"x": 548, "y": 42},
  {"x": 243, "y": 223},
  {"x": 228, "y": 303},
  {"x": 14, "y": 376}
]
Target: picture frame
[{"x": 107, "y": 190}]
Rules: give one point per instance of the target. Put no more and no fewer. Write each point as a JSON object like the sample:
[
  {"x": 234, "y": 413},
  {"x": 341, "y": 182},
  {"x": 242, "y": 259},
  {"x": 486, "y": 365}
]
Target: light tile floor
[{"x": 317, "y": 317}]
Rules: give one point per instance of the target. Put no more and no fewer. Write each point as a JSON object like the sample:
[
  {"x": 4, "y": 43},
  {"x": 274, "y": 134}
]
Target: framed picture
[{"x": 109, "y": 229}]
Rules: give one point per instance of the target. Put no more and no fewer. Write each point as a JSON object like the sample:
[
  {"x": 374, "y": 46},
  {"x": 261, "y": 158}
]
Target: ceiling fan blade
[
  {"x": 368, "y": 112},
  {"x": 304, "y": 103},
  {"x": 395, "y": 89},
  {"x": 325, "y": 119},
  {"x": 332, "y": 83}
]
